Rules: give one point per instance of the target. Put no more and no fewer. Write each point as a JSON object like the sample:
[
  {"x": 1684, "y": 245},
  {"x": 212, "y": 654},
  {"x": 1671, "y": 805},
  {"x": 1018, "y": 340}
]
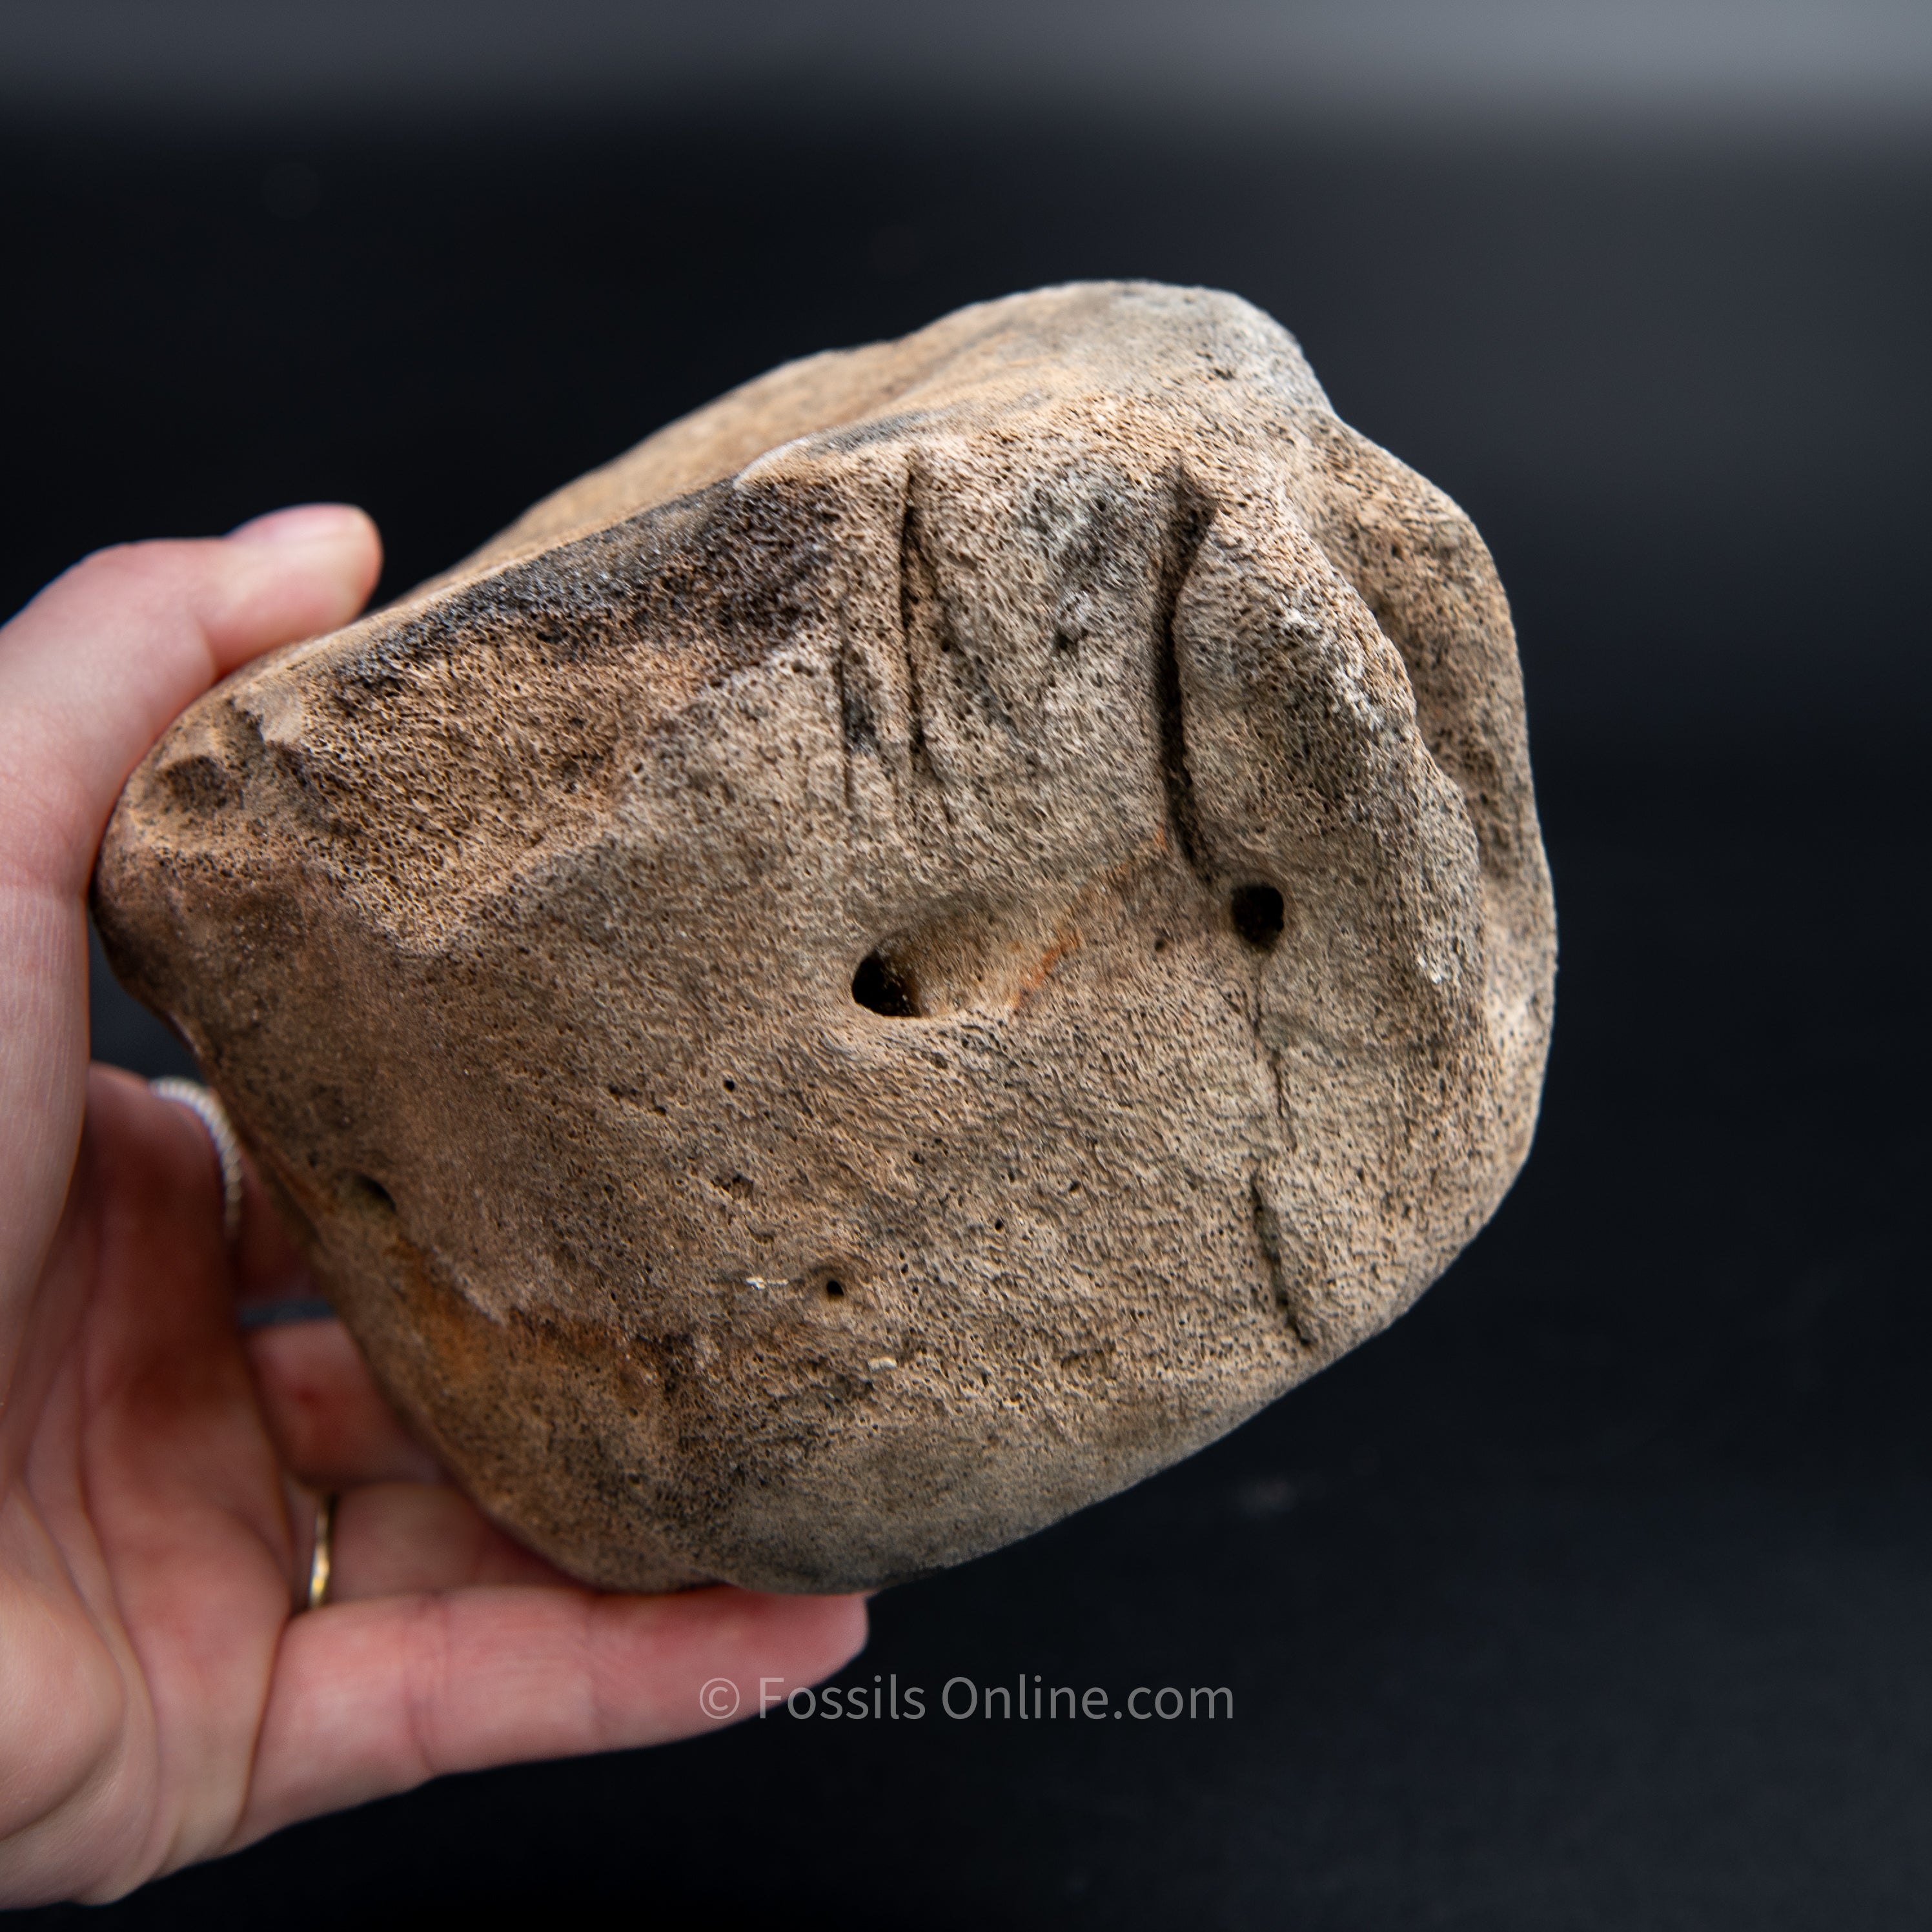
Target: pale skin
[{"x": 161, "y": 1699}]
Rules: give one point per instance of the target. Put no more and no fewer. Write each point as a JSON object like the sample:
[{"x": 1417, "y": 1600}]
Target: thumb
[{"x": 95, "y": 667}]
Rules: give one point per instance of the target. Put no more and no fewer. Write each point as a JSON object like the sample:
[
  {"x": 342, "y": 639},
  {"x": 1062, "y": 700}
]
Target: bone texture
[{"x": 909, "y": 953}]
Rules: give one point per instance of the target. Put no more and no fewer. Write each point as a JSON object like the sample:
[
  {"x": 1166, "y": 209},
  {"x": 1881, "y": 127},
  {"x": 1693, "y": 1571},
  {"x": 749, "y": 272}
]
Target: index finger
[{"x": 91, "y": 672}]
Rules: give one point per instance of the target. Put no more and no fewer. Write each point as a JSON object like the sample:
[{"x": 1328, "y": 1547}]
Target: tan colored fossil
[{"x": 907, "y": 954}]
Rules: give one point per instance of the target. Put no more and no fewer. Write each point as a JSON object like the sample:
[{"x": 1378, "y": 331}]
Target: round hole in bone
[
  {"x": 1258, "y": 915},
  {"x": 367, "y": 1192},
  {"x": 878, "y": 984}
]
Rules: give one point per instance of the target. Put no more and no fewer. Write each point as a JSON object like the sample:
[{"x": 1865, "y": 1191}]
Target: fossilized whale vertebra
[{"x": 907, "y": 954}]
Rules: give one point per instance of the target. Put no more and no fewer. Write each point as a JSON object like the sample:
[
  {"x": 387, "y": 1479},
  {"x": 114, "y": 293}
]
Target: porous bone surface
[{"x": 907, "y": 953}]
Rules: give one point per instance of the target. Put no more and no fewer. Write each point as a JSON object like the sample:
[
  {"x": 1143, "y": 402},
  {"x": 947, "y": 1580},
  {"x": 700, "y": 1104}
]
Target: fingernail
[{"x": 305, "y": 523}]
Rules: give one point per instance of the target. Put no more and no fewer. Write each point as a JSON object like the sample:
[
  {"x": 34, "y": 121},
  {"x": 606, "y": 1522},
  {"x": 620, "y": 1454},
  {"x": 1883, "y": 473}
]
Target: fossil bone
[{"x": 903, "y": 955}]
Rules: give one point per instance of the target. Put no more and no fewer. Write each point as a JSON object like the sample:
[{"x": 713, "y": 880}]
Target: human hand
[{"x": 159, "y": 1702}]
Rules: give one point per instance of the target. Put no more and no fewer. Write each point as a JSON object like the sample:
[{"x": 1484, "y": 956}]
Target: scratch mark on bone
[
  {"x": 1267, "y": 1238},
  {"x": 916, "y": 587},
  {"x": 1192, "y": 513}
]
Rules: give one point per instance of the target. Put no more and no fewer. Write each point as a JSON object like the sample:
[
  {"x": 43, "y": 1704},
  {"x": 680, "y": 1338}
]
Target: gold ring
[{"x": 322, "y": 1561}]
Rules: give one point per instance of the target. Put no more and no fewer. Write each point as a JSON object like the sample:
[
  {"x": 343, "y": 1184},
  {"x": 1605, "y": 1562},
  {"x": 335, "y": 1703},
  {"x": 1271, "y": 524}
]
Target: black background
[{"x": 1598, "y": 1592}]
